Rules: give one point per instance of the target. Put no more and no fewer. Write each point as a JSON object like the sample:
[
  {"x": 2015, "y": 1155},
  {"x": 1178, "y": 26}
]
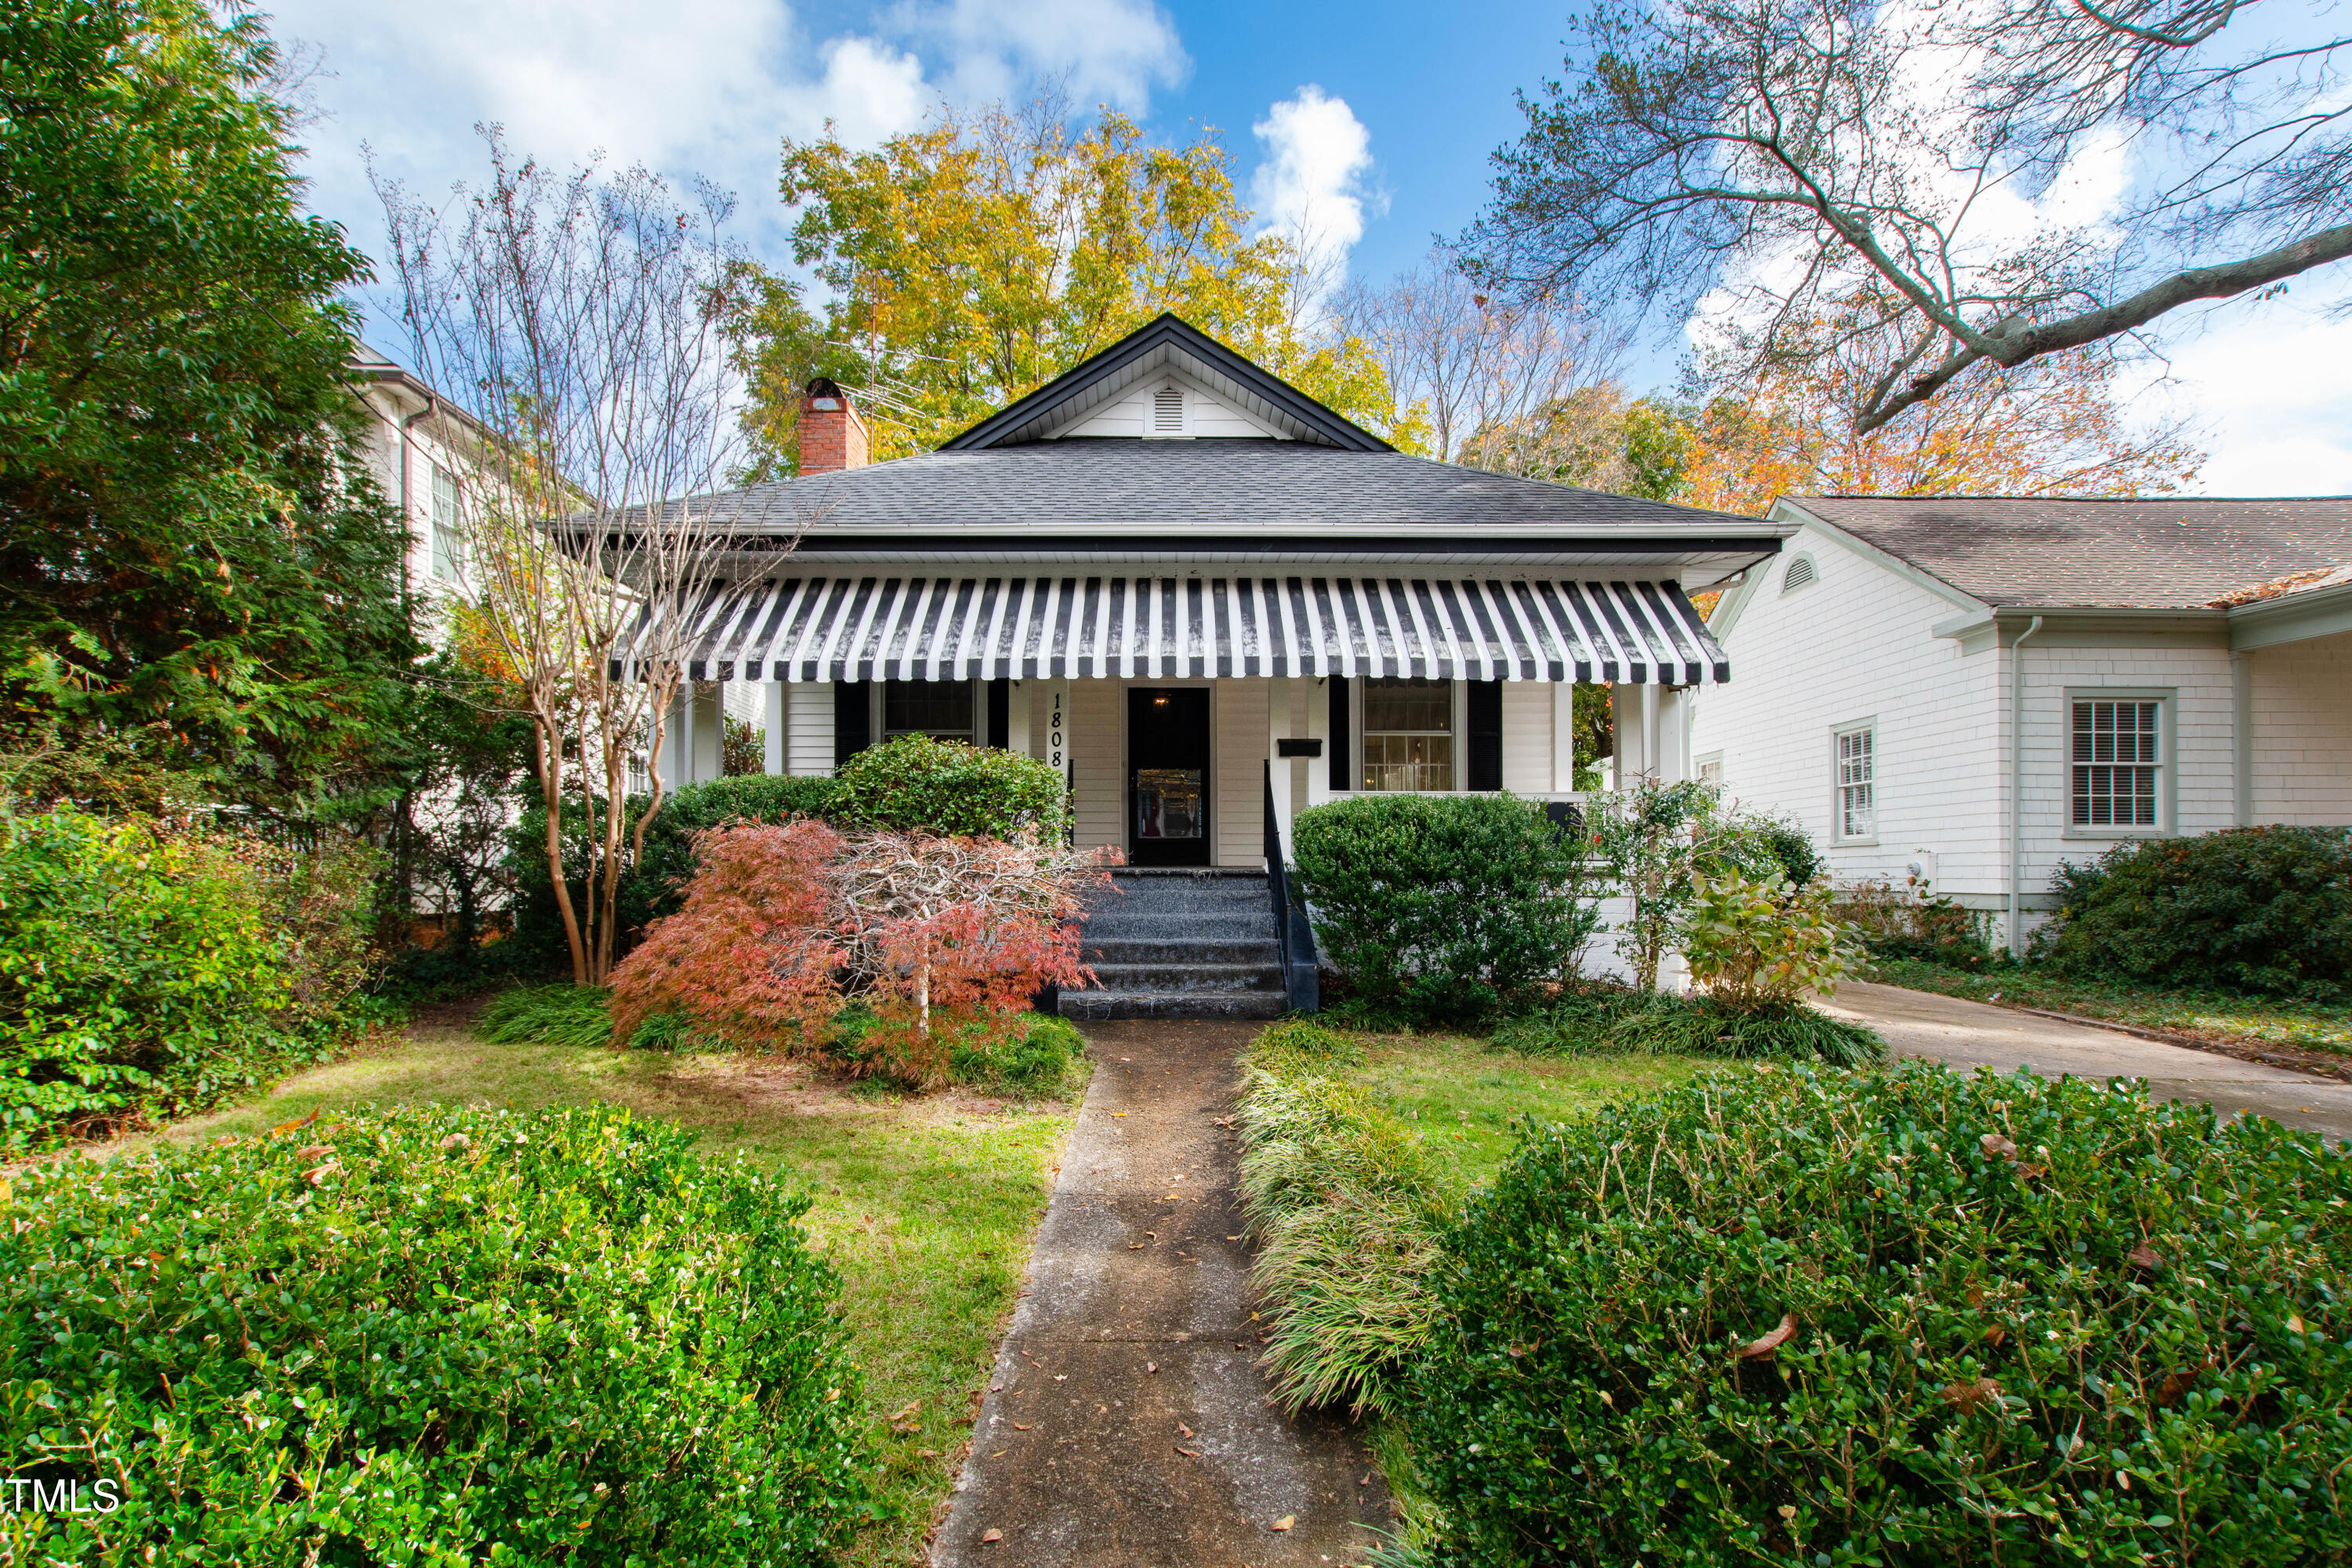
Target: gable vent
[
  {"x": 1168, "y": 411},
  {"x": 1800, "y": 572}
]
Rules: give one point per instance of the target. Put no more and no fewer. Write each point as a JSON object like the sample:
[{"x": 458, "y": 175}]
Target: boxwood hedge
[
  {"x": 427, "y": 1336},
  {"x": 1897, "y": 1318}
]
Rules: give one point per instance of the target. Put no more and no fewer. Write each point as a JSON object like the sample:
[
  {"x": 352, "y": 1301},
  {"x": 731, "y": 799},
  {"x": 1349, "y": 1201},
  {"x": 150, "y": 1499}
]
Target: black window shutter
[
  {"x": 1000, "y": 714},
  {"x": 1339, "y": 779},
  {"x": 853, "y": 718},
  {"x": 1486, "y": 734}
]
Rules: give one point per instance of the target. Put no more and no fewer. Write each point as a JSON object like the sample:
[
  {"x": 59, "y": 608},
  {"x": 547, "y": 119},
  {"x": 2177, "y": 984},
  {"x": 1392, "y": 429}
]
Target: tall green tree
[
  {"x": 191, "y": 550},
  {"x": 973, "y": 260}
]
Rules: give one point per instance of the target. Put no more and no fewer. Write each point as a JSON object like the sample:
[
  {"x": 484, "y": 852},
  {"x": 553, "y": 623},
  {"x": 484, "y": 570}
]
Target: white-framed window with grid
[
  {"x": 445, "y": 525},
  {"x": 2118, "y": 757},
  {"x": 1854, "y": 809}
]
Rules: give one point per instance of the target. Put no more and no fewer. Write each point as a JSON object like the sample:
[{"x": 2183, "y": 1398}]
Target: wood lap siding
[{"x": 2303, "y": 741}]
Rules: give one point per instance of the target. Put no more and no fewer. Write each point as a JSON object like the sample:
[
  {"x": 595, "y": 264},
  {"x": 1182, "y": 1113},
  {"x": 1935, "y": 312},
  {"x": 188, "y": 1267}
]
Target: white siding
[
  {"x": 1205, "y": 414},
  {"x": 1527, "y": 737},
  {"x": 1097, "y": 731},
  {"x": 1237, "y": 798},
  {"x": 2302, "y": 703},
  {"x": 808, "y": 728},
  {"x": 2204, "y": 762},
  {"x": 1857, "y": 645}
]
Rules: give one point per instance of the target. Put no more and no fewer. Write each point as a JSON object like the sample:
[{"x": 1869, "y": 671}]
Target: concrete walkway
[
  {"x": 1127, "y": 1422},
  {"x": 1977, "y": 1034}
]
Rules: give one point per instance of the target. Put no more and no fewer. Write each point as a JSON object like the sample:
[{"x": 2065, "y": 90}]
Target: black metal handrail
[{"x": 1294, "y": 938}]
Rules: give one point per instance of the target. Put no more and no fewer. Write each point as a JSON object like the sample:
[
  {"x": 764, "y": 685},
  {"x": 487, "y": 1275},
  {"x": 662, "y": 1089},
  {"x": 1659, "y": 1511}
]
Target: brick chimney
[{"x": 833, "y": 437}]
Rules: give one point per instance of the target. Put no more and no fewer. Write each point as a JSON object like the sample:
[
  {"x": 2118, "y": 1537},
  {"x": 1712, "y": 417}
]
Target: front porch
[{"x": 1174, "y": 705}]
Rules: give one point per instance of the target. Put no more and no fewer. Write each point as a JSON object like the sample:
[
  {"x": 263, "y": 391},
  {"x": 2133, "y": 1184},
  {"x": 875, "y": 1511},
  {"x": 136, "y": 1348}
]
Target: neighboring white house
[
  {"x": 1910, "y": 669},
  {"x": 420, "y": 445}
]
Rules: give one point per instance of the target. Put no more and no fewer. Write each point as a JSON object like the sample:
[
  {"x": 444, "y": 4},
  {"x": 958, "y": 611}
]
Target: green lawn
[
  {"x": 925, "y": 1205},
  {"x": 1465, "y": 1098},
  {"x": 2206, "y": 1014}
]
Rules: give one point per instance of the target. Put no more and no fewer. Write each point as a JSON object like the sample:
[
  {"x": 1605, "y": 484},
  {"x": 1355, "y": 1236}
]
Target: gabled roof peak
[{"x": 1167, "y": 343}]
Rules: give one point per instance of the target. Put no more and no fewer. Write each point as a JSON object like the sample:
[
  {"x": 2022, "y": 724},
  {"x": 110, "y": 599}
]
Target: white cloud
[
  {"x": 2270, "y": 384},
  {"x": 1312, "y": 185},
  {"x": 1098, "y": 51},
  {"x": 684, "y": 87}
]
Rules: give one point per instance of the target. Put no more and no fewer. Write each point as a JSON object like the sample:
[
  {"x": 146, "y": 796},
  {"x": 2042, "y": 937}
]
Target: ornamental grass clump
[
  {"x": 1342, "y": 1197},
  {"x": 1901, "y": 1316},
  {"x": 428, "y": 1336}
]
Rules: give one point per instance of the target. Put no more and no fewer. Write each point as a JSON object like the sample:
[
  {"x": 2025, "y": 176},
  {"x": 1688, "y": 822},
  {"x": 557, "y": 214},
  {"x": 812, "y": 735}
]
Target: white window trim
[
  {"x": 1357, "y": 737},
  {"x": 2168, "y": 765},
  {"x": 1705, "y": 760},
  {"x": 1837, "y": 791}
]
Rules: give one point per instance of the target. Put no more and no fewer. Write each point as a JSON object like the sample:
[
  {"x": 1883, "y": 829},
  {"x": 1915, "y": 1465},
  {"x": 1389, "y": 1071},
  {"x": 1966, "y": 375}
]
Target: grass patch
[
  {"x": 925, "y": 1205},
  {"x": 2213, "y": 1016},
  {"x": 1465, "y": 1098}
]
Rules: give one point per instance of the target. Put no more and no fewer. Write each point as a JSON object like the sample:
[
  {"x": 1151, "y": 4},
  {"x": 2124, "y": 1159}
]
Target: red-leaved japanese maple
[{"x": 941, "y": 938}]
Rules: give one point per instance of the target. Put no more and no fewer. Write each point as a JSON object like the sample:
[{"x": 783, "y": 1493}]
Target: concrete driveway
[{"x": 1976, "y": 1034}]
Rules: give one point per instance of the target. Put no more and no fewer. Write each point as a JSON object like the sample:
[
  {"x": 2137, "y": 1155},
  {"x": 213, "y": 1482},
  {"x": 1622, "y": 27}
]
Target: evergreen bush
[
  {"x": 2260, "y": 910},
  {"x": 1443, "y": 907},
  {"x": 431, "y": 1336},
  {"x": 149, "y": 969},
  {"x": 919, "y": 784},
  {"x": 1897, "y": 1317}
]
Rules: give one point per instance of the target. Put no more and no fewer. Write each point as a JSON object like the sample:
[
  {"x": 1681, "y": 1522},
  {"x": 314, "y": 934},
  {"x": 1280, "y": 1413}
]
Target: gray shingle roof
[
  {"x": 2145, "y": 555},
  {"x": 1100, "y": 487}
]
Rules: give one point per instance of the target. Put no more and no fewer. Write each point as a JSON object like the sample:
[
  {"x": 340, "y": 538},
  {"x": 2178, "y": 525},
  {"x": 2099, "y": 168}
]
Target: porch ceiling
[{"x": 963, "y": 628}]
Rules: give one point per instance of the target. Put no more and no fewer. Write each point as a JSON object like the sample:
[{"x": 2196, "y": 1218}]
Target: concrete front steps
[{"x": 1181, "y": 943}]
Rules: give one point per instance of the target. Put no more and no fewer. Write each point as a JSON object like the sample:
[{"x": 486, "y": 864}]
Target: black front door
[{"x": 1168, "y": 776}]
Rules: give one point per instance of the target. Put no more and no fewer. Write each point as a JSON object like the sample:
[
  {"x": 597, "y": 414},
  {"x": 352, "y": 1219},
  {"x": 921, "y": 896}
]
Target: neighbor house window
[
  {"x": 940, "y": 709},
  {"x": 1857, "y": 782},
  {"x": 2117, "y": 754},
  {"x": 1710, "y": 770},
  {"x": 445, "y": 525},
  {"x": 1408, "y": 734}
]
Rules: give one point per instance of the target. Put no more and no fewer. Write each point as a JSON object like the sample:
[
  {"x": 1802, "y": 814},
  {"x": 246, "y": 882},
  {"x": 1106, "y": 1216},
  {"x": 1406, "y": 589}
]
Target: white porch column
[
  {"x": 1277, "y": 725},
  {"x": 1674, "y": 734},
  {"x": 700, "y": 740},
  {"x": 1018, "y": 739},
  {"x": 1317, "y": 728},
  {"x": 1627, "y": 731},
  {"x": 1563, "y": 736},
  {"x": 675, "y": 725},
  {"x": 776, "y": 760}
]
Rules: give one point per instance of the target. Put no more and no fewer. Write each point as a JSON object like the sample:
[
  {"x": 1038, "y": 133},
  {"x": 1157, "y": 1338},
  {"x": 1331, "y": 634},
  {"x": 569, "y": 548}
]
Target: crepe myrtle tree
[
  {"x": 1779, "y": 155},
  {"x": 584, "y": 318}
]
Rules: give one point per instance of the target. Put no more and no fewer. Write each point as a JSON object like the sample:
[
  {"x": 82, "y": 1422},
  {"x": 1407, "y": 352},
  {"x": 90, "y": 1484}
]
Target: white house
[
  {"x": 1213, "y": 602},
  {"x": 1981, "y": 689},
  {"x": 421, "y": 448}
]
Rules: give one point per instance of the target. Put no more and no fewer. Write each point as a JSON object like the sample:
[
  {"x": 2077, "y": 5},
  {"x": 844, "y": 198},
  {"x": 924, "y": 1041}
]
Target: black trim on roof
[{"x": 1168, "y": 327}]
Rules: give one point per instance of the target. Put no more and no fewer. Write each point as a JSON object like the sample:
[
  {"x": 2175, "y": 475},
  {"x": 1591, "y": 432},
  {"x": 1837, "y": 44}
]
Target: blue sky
[{"x": 1371, "y": 123}]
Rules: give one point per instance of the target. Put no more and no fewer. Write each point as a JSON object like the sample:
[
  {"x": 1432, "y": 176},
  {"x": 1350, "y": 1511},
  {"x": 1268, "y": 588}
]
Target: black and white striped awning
[{"x": 969, "y": 629}]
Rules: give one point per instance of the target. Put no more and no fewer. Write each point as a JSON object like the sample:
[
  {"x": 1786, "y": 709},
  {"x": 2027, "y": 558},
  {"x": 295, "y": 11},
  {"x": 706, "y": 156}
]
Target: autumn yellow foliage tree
[
  {"x": 1763, "y": 421},
  {"x": 968, "y": 262},
  {"x": 1787, "y": 423}
]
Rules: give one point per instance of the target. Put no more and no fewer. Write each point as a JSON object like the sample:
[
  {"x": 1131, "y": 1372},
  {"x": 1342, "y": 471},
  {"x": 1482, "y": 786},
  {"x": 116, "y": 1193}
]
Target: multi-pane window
[
  {"x": 2116, "y": 751},
  {"x": 940, "y": 709},
  {"x": 1408, "y": 734},
  {"x": 1857, "y": 783},
  {"x": 445, "y": 525}
]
